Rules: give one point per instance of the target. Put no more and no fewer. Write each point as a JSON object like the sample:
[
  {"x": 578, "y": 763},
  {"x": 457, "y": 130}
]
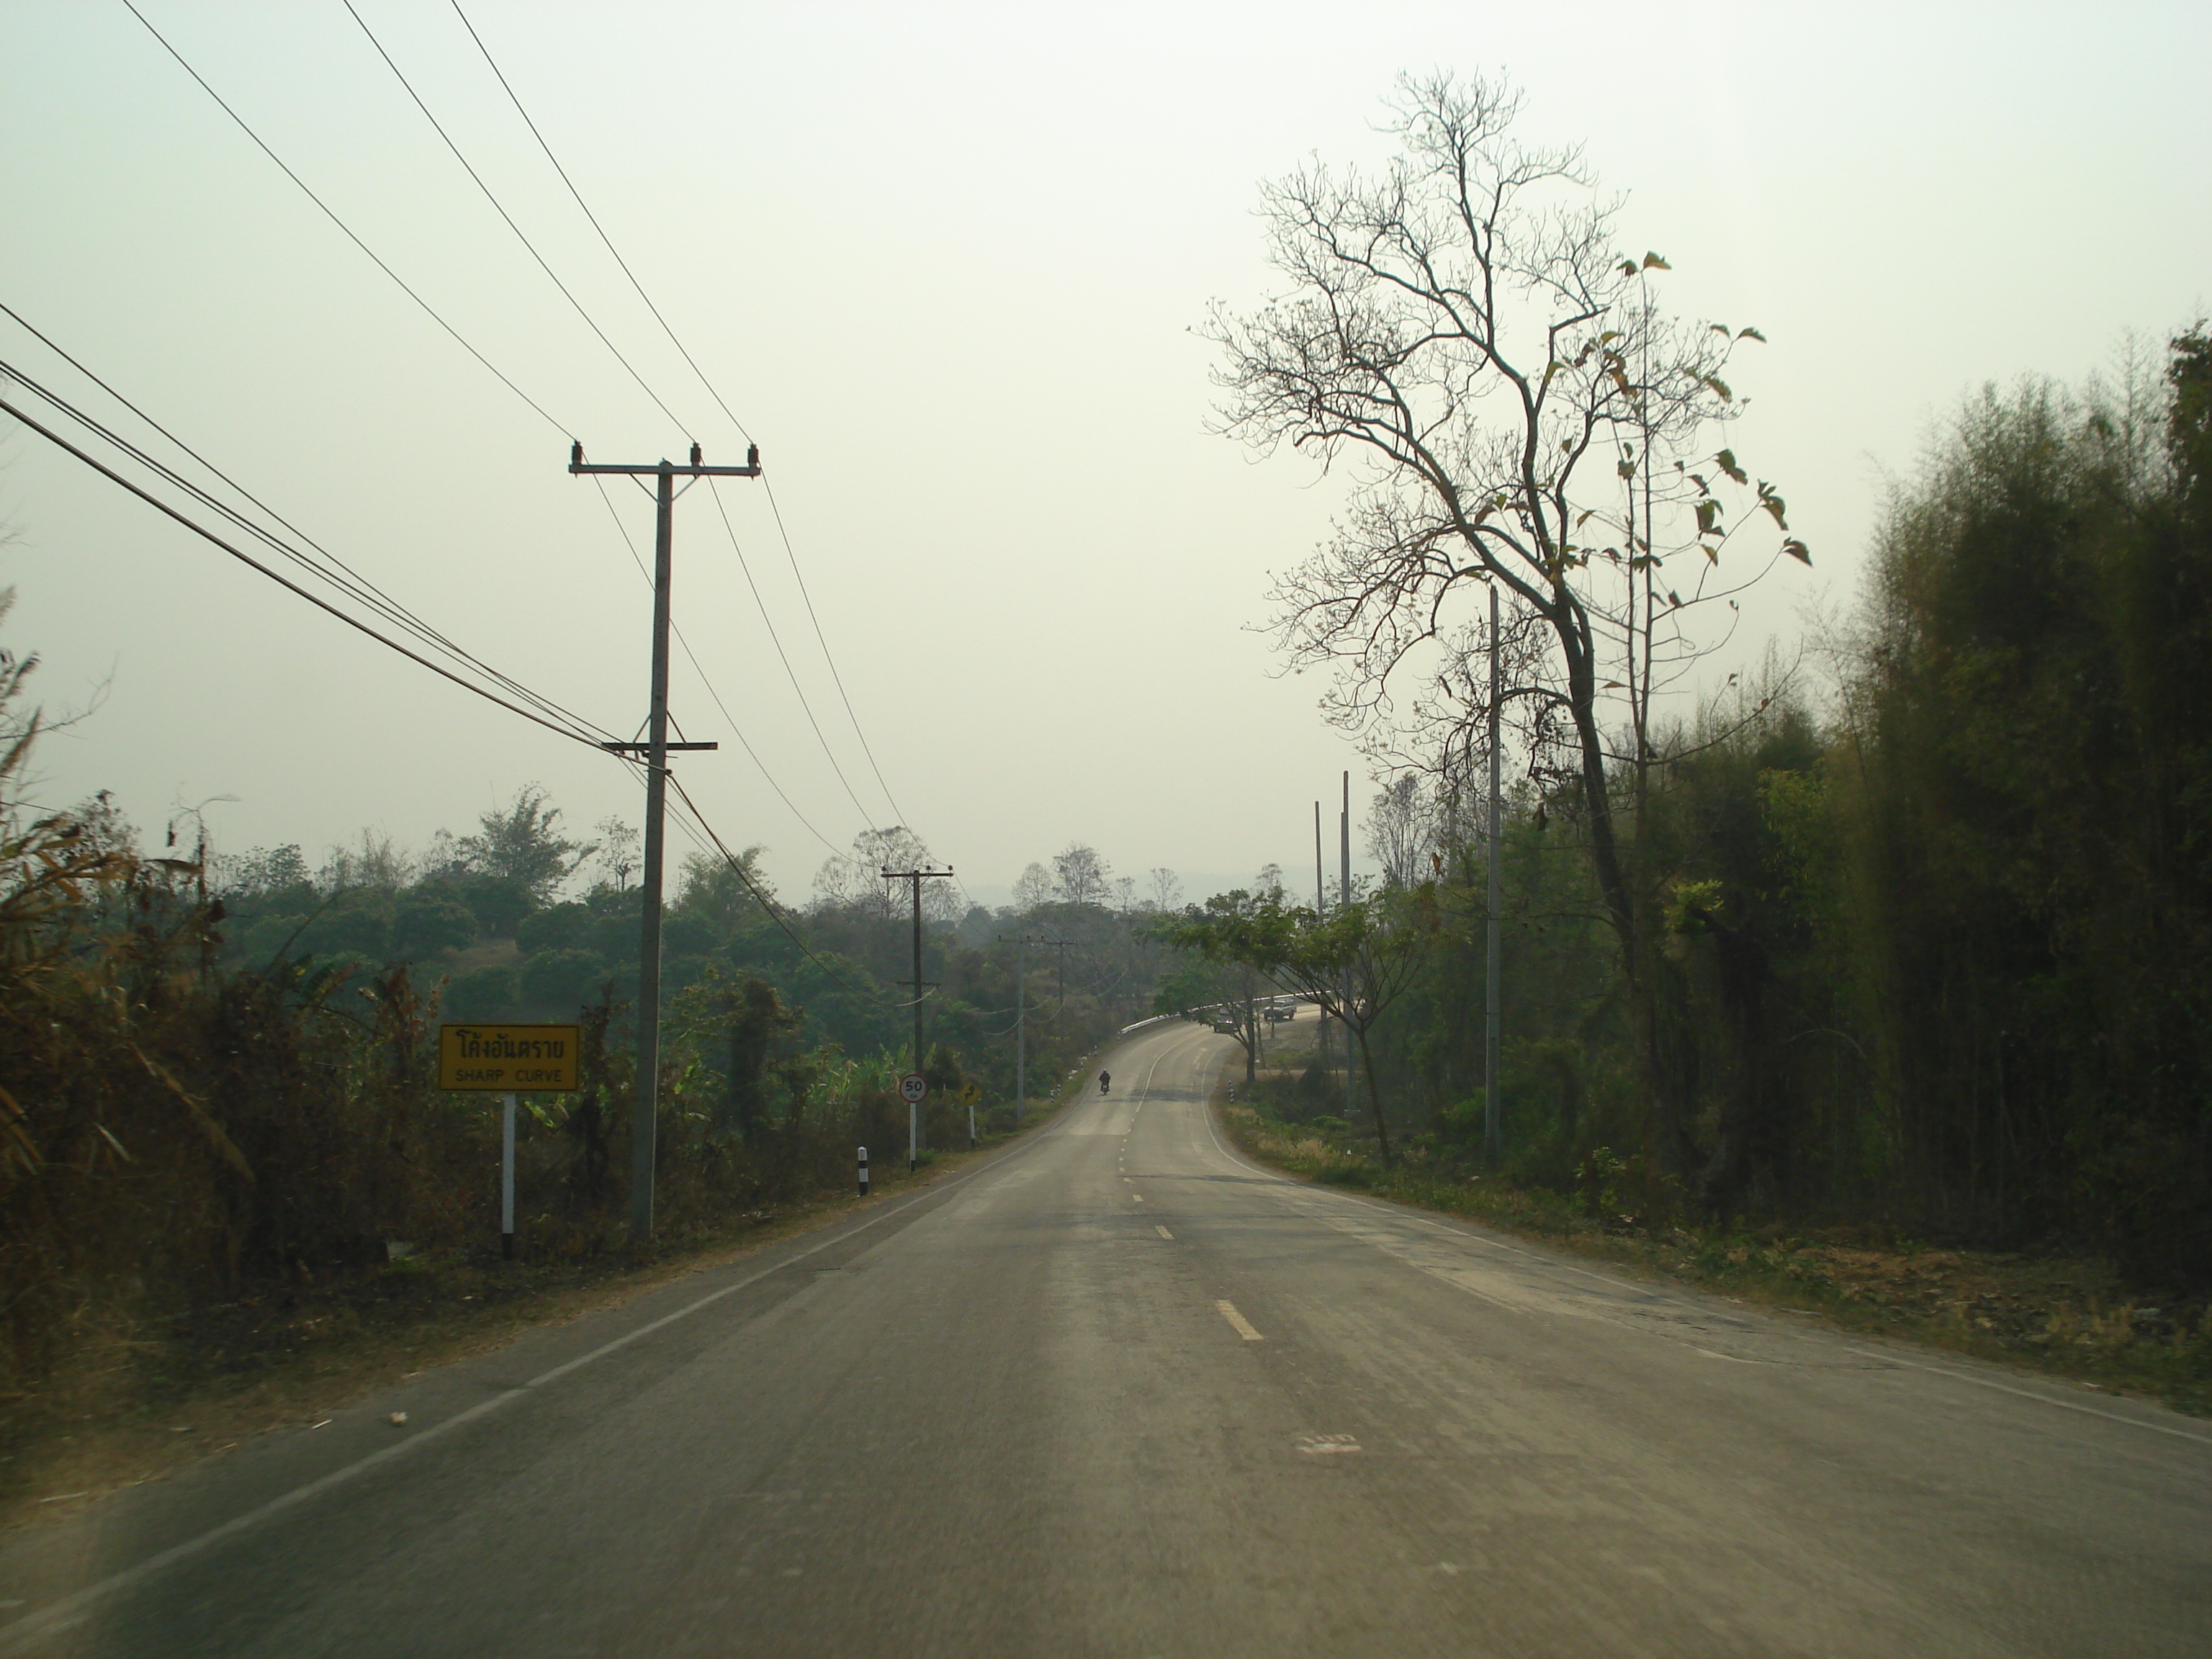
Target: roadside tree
[
  {"x": 1354, "y": 964},
  {"x": 1522, "y": 420}
]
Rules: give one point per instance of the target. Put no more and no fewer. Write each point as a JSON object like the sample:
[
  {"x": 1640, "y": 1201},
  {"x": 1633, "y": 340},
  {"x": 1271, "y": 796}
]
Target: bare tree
[
  {"x": 855, "y": 882},
  {"x": 1521, "y": 417},
  {"x": 1032, "y": 888},
  {"x": 618, "y": 843},
  {"x": 378, "y": 862},
  {"x": 1166, "y": 888},
  {"x": 1400, "y": 830},
  {"x": 1079, "y": 876}
]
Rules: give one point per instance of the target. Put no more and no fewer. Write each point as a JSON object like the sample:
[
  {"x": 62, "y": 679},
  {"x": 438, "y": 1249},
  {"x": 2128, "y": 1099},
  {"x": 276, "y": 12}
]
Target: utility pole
[
  {"x": 1490, "y": 977},
  {"x": 1022, "y": 1012},
  {"x": 645, "y": 1112},
  {"x": 913, "y": 1108},
  {"x": 1344, "y": 897},
  {"x": 1321, "y": 914}
]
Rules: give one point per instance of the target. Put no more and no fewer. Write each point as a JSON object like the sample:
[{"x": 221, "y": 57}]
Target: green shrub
[{"x": 483, "y": 993}]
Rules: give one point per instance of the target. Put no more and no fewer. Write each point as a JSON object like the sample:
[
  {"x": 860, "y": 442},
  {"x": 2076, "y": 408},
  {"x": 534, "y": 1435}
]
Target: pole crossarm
[
  {"x": 646, "y": 747},
  {"x": 694, "y": 469}
]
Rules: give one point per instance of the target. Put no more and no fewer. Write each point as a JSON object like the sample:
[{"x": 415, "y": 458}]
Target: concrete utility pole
[
  {"x": 1490, "y": 977},
  {"x": 1344, "y": 897},
  {"x": 1321, "y": 914},
  {"x": 645, "y": 1112},
  {"x": 913, "y": 1108},
  {"x": 1022, "y": 1012}
]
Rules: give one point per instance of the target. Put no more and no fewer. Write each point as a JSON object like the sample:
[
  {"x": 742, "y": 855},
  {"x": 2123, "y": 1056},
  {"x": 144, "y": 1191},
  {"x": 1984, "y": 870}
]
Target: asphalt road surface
[{"x": 1118, "y": 1392}]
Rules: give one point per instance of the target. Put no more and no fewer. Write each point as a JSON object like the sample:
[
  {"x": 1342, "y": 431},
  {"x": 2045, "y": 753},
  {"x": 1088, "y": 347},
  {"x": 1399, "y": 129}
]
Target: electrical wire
[
  {"x": 713, "y": 486},
  {"x": 281, "y": 581},
  {"x": 501, "y": 76},
  {"x": 431, "y": 311},
  {"x": 500, "y": 210},
  {"x": 391, "y": 611},
  {"x": 224, "y": 510},
  {"x": 720, "y": 507},
  {"x": 735, "y": 729},
  {"x": 330, "y": 214},
  {"x": 349, "y": 581},
  {"x": 836, "y": 679},
  {"x": 773, "y": 910},
  {"x": 782, "y": 530}
]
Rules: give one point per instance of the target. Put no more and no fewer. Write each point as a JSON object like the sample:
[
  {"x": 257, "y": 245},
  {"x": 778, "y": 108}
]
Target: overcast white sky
[{"x": 944, "y": 262}]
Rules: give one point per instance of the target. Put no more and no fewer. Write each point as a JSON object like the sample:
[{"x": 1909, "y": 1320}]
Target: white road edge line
[
  {"x": 60, "y": 1615},
  {"x": 1238, "y": 1160}
]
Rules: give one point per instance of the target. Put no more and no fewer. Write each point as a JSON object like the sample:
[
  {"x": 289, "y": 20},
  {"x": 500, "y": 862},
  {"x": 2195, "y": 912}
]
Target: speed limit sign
[{"x": 914, "y": 1088}]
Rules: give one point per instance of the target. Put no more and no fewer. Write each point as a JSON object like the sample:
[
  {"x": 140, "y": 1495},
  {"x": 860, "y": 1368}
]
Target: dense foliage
[{"x": 1933, "y": 952}]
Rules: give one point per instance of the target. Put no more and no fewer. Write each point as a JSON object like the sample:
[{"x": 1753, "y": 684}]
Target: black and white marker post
[
  {"x": 864, "y": 1172},
  {"x": 506, "y": 1178}
]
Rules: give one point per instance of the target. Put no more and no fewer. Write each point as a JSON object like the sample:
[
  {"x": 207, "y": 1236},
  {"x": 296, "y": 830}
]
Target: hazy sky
[{"x": 944, "y": 262}]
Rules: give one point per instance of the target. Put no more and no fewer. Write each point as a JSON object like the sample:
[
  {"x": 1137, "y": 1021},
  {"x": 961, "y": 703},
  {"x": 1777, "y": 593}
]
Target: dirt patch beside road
[{"x": 2061, "y": 1315}]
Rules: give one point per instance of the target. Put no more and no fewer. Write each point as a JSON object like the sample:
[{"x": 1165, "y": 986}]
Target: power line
[
  {"x": 898, "y": 812},
  {"x": 330, "y": 214},
  {"x": 790, "y": 554},
  {"x": 392, "y": 611},
  {"x": 498, "y": 207},
  {"x": 768, "y": 905},
  {"x": 721, "y": 508},
  {"x": 350, "y": 582},
  {"x": 777, "y": 640},
  {"x": 736, "y": 731},
  {"x": 245, "y": 558},
  {"x": 596, "y": 226}
]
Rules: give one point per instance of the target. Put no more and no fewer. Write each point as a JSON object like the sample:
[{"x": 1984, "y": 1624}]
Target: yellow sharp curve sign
[{"x": 510, "y": 1057}]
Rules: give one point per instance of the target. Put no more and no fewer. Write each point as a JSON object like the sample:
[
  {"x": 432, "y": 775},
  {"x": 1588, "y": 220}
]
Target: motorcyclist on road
[{"x": 1105, "y": 1078}]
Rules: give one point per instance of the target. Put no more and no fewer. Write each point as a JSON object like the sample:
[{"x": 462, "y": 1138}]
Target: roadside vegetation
[
  {"x": 221, "y": 1143},
  {"x": 2060, "y": 1313},
  {"x": 1929, "y": 950},
  {"x": 1905, "y": 936}
]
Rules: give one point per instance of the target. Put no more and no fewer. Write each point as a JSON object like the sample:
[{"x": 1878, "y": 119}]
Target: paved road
[{"x": 1120, "y": 1392}]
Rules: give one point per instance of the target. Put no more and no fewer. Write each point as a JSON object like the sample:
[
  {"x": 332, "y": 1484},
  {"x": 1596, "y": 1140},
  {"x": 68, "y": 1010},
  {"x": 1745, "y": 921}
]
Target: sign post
[
  {"x": 507, "y": 1175},
  {"x": 913, "y": 1089},
  {"x": 505, "y": 1059}
]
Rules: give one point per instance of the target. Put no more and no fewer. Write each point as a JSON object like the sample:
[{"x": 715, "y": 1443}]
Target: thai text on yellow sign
[{"x": 504, "y": 1057}]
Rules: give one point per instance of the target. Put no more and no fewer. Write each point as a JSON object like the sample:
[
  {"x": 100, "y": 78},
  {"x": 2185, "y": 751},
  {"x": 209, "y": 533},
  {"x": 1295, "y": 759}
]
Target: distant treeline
[{"x": 1927, "y": 916}]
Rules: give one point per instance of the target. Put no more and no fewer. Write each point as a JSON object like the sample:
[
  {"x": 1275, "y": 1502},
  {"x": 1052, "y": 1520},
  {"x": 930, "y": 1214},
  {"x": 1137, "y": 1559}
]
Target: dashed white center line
[
  {"x": 1162, "y": 1232},
  {"x": 1237, "y": 1322}
]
